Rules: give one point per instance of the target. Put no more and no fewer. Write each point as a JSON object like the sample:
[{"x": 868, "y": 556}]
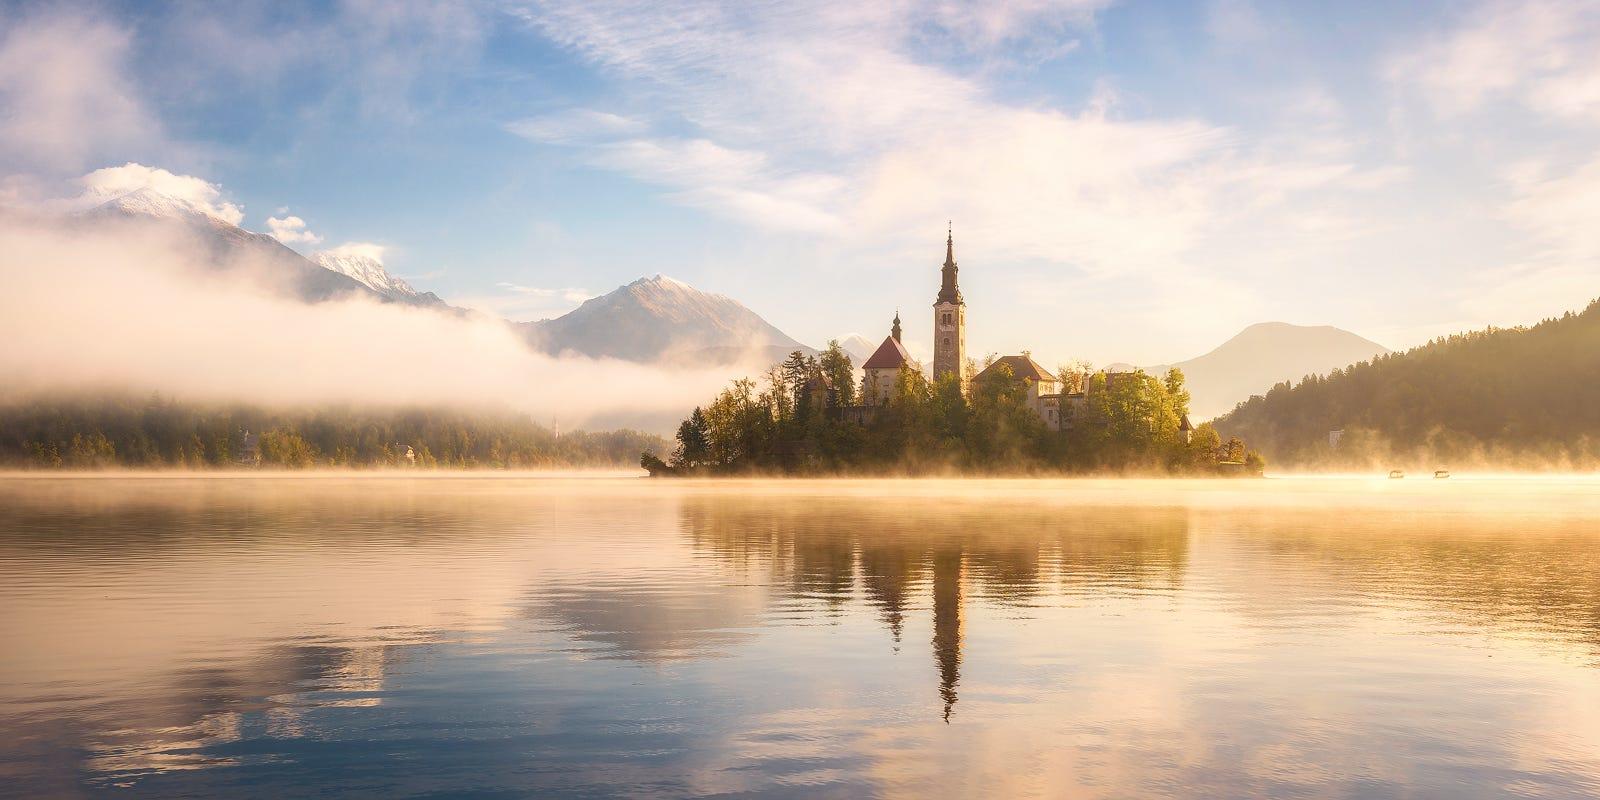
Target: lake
[{"x": 492, "y": 637}]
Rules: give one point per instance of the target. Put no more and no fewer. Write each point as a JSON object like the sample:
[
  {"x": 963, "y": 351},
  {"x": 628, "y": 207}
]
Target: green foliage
[
  {"x": 834, "y": 363},
  {"x": 694, "y": 440},
  {"x": 286, "y": 448},
  {"x": 1129, "y": 422},
  {"x": 1518, "y": 397},
  {"x": 121, "y": 431}
]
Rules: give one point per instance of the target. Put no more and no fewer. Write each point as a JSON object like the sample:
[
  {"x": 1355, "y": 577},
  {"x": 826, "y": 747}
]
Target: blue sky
[{"x": 1129, "y": 181}]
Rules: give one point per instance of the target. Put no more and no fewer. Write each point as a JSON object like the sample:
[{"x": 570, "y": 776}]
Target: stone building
[{"x": 1044, "y": 389}]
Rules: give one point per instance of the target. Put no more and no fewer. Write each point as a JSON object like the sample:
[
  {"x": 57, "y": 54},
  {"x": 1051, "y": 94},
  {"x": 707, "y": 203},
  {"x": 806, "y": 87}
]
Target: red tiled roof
[
  {"x": 1021, "y": 367},
  {"x": 889, "y": 355}
]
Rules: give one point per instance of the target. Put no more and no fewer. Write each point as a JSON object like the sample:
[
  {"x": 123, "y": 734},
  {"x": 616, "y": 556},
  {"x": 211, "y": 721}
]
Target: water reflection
[
  {"x": 1007, "y": 553},
  {"x": 273, "y": 638}
]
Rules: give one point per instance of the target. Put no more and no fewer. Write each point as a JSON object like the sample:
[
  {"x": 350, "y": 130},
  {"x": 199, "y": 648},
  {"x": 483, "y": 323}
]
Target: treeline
[
  {"x": 1525, "y": 397},
  {"x": 160, "y": 432},
  {"x": 802, "y": 417}
]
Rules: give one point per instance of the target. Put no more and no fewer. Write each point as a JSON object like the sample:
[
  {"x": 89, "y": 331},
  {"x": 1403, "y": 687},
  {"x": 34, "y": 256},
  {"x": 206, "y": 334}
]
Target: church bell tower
[{"x": 949, "y": 319}]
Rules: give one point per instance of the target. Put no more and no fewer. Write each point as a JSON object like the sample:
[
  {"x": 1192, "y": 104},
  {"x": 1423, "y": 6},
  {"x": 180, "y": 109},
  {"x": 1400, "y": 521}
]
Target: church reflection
[
  {"x": 947, "y": 623},
  {"x": 904, "y": 559}
]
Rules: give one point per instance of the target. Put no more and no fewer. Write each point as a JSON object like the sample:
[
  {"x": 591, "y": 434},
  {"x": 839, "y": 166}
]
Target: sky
[{"x": 1127, "y": 181}]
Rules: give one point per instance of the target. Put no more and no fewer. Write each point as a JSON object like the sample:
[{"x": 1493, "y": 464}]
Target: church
[{"x": 881, "y": 370}]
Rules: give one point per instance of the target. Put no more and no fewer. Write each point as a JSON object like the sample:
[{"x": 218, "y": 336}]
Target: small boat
[
  {"x": 1441, "y": 473},
  {"x": 1395, "y": 474}
]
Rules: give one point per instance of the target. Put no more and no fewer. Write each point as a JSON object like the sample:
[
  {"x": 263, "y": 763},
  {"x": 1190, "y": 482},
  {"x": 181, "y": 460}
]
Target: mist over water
[
  {"x": 131, "y": 308},
  {"x": 606, "y": 637}
]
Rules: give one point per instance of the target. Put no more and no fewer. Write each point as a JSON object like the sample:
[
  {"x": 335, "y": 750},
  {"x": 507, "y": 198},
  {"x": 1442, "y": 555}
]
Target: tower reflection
[
  {"x": 905, "y": 557},
  {"x": 947, "y": 623}
]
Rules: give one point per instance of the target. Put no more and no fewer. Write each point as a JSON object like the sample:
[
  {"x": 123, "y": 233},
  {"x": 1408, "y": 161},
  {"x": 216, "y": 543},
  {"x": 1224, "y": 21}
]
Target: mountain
[
  {"x": 370, "y": 273},
  {"x": 226, "y": 246},
  {"x": 1517, "y": 397},
  {"x": 664, "y": 320},
  {"x": 858, "y": 346},
  {"x": 1263, "y": 355}
]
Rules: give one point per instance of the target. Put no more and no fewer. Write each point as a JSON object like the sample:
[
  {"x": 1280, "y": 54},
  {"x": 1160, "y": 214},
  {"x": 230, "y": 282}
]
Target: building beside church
[
  {"x": 1043, "y": 389},
  {"x": 882, "y": 369}
]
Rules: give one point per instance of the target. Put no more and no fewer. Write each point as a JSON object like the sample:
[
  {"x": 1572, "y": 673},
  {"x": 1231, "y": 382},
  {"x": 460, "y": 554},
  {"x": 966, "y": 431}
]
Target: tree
[
  {"x": 693, "y": 441},
  {"x": 286, "y": 448},
  {"x": 835, "y": 364}
]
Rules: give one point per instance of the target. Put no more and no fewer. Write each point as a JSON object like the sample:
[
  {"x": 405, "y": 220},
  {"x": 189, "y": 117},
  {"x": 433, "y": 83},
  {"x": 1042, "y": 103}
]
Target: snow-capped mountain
[
  {"x": 662, "y": 319},
  {"x": 151, "y": 203},
  {"x": 226, "y": 246},
  {"x": 371, "y": 274},
  {"x": 858, "y": 346}
]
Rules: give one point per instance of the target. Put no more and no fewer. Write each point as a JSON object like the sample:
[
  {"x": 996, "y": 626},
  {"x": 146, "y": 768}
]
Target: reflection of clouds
[{"x": 653, "y": 622}]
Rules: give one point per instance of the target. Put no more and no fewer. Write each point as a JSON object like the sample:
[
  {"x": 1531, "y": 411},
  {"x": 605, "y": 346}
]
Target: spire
[
  {"x": 949, "y": 292},
  {"x": 895, "y": 331}
]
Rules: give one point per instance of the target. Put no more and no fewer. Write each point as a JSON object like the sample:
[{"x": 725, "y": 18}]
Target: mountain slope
[
  {"x": 226, "y": 246},
  {"x": 370, "y": 273},
  {"x": 1263, "y": 355},
  {"x": 1508, "y": 397},
  {"x": 858, "y": 346},
  {"x": 661, "y": 319}
]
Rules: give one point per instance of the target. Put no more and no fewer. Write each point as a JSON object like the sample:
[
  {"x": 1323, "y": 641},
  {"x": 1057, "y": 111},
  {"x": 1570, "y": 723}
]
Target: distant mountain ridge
[
  {"x": 859, "y": 347},
  {"x": 1263, "y": 355},
  {"x": 1500, "y": 397},
  {"x": 660, "y": 319}
]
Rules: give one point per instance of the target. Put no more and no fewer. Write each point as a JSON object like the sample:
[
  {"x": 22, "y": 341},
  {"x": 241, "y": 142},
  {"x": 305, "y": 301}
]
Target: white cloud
[
  {"x": 582, "y": 125},
  {"x": 65, "y": 99},
  {"x": 197, "y": 193},
  {"x": 1543, "y": 55},
  {"x": 1555, "y": 270},
  {"x": 806, "y": 118},
  {"x": 291, "y": 230},
  {"x": 1561, "y": 210},
  {"x": 362, "y": 249},
  {"x": 568, "y": 295}
]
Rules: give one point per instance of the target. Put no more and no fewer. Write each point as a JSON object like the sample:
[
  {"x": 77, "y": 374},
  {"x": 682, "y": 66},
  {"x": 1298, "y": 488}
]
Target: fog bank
[{"x": 102, "y": 309}]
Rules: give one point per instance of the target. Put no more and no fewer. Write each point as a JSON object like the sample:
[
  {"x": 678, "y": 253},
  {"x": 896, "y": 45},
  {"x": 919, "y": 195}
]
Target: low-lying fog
[{"x": 125, "y": 310}]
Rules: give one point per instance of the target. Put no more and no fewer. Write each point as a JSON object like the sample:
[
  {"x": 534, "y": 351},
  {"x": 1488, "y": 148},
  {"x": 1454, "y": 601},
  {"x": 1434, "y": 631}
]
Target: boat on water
[
  {"x": 1441, "y": 473},
  {"x": 1395, "y": 474}
]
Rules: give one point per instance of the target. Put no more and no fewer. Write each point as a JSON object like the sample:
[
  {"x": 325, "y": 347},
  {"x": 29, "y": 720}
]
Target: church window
[{"x": 947, "y": 321}]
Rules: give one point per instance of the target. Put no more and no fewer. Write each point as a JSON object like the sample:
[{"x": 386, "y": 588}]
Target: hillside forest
[{"x": 1500, "y": 398}]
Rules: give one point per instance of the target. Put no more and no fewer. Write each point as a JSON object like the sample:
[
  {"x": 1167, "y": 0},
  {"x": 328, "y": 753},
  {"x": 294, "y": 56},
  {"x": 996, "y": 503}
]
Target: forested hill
[
  {"x": 155, "y": 432},
  {"x": 1525, "y": 397}
]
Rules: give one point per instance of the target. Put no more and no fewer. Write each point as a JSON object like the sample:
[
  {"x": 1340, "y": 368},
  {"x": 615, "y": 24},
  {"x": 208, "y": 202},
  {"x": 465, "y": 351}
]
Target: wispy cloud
[
  {"x": 1542, "y": 55},
  {"x": 829, "y": 119},
  {"x": 65, "y": 97},
  {"x": 567, "y": 295},
  {"x": 370, "y": 250}
]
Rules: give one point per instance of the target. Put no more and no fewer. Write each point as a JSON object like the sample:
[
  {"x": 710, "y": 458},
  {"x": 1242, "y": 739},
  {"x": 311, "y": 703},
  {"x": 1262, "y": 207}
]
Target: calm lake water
[{"x": 507, "y": 637}]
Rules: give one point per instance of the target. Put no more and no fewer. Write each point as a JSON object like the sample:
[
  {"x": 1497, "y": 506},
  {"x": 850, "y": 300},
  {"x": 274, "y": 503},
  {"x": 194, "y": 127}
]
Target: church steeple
[
  {"x": 949, "y": 319},
  {"x": 895, "y": 331},
  {"x": 949, "y": 292}
]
